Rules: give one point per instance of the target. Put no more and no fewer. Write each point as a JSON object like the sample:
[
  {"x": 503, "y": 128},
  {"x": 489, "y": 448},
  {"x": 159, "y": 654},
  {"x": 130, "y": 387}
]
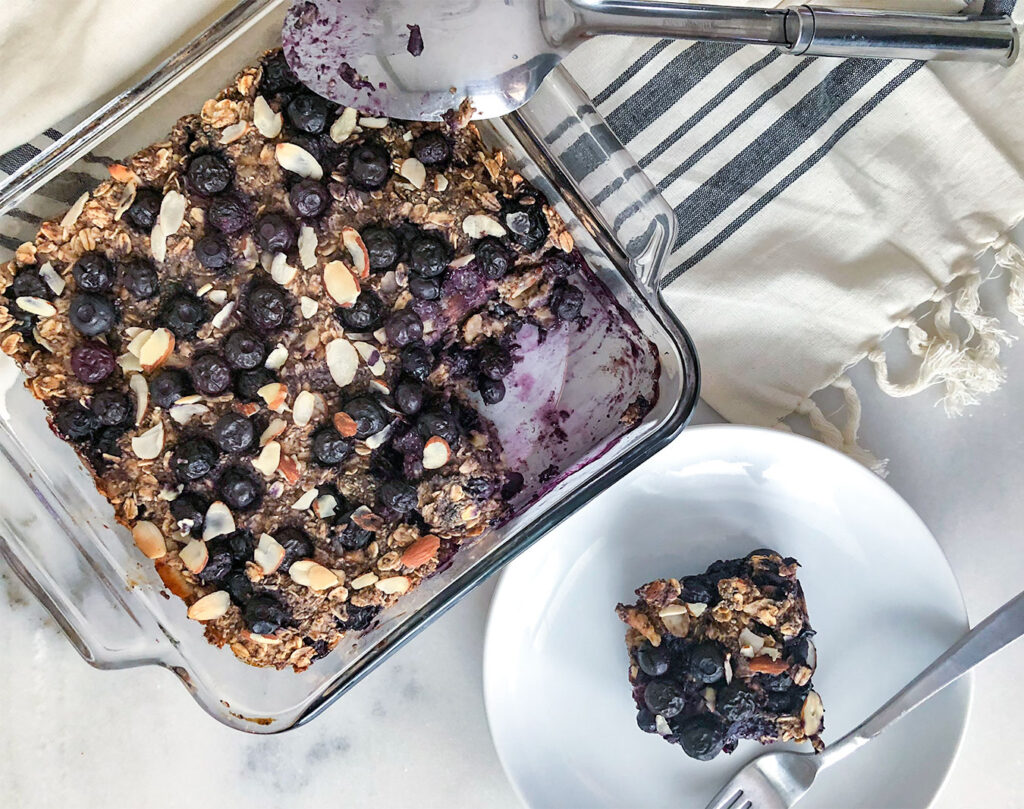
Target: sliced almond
[
  {"x": 276, "y": 358},
  {"x": 264, "y": 118},
  {"x": 297, "y": 160},
  {"x": 129, "y": 364},
  {"x": 378, "y": 439},
  {"x": 269, "y": 554},
  {"x": 414, "y": 171},
  {"x": 341, "y": 283},
  {"x": 274, "y": 429},
  {"x": 289, "y": 469},
  {"x": 230, "y": 134},
  {"x": 366, "y": 580},
  {"x": 678, "y": 625},
  {"x": 274, "y": 395},
  {"x": 357, "y": 250},
  {"x": 672, "y": 609},
  {"x": 150, "y": 444},
  {"x": 203, "y": 290},
  {"x": 697, "y": 609},
  {"x": 184, "y": 413},
  {"x": 306, "y": 501},
  {"x": 366, "y": 122},
  {"x": 220, "y": 320},
  {"x": 436, "y": 452},
  {"x": 154, "y": 352},
  {"x": 325, "y": 506},
  {"x": 342, "y": 361},
  {"x": 765, "y": 665},
  {"x": 281, "y": 271},
  {"x": 345, "y": 125},
  {"x": 750, "y": 643},
  {"x": 308, "y": 242},
  {"x": 210, "y": 607},
  {"x": 367, "y": 520},
  {"x": 139, "y": 340},
  {"x": 218, "y": 521},
  {"x": 372, "y": 357},
  {"x": 308, "y": 307},
  {"x": 195, "y": 555},
  {"x": 393, "y": 585},
  {"x": 302, "y": 410},
  {"x": 268, "y": 459},
  {"x": 812, "y": 714},
  {"x": 40, "y": 307},
  {"x": 345, "y": 425},
  {"x": 727, "y": 666},
  {"x": 811, "y": 656},
  {"x": 421, "y": 551},
  {"x": 440, "y": 183},
  {"x": 138, "y": 385},
  {"x": 310, "y": 574},
  {"x": 149, "y": 539},
  {"x": 172, "y": 212},
  {"x": 662, "y": 726},
  {"x": 479, "y": 225},
  {"x": 75, "y": 211},
  {"x": 53, "y": 279},
  {"x": 380, "y": 386}
]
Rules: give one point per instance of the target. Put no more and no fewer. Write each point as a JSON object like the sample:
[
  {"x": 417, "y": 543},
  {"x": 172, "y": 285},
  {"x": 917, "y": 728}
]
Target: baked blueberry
[
  {"x": 566, "y": 301},
  {"x": 189, "y": 510},
  {"x": 494, "y": 361},
  {"x": 309, "y": 198},
  {"x": 241, "y": 544},
  {"x": 383, "y": 246},
  {"x": 275, "y": 234},
  {"x": 409, "y": 397},
  {"x": 91, "y": 314},
  {"x": 653, "y": 660},
  {"x": 233, "y": 433},
  {"x": 239, "y": 488},
  {"x": 364, "y": 315},
  {"x": 435, "y": 422},
  {"x": 432, "y": 148},
  {"x": 308, "y": 113},
  {"x": 429, "y": 256},
  {"x": 408, "y": 441},
  {"x": 347, "y": 536},
  {"x": 369, "y": 166},
  {"x": 397, "y": 496},
  {"x": 213, "y": 252},
  {"x": 142, "y": 213},
  {"x": 208, "y": 174},
  {"x": 93, "y": 273},
  {"x": 239, "y": 587},
  {"x": 29, "y": 284},
  {"x": 228, "y": 213},
  {"x": 466, "y": 280},
  {"x": 697, "y": 590},
  {"x": 244, "y": 350},
  {"x": 557, "y": 264},
  {"x": 193, "y": 459},
  {"x": 664, "y": 697},
  {"x": 264, "y": 614},
  {"x": 140, "y": 278},
  {"x": 493, "y": 257},
  {"x": 248, "y": 383},
  {"x": 701, "y": 736},
  {"x": 403, "y": 328},
  {"x": 358, "y": 618},
  {"x": 92, "y": 361},
  {"x": 167, "y": 386},
  {"x": 734, "y": 703},
  {"x": 183, "y": 313},
  {"x": 428, "y": 289},
  {"x": 211, "y": 374},
  {"x": 296, "y": 543},
  {"x": 417, "y": 361},
  {"x": 267, "y": 307},
  {"x": 75, "y": 422},
  {"x": 645, "y": 721},
  {"x": 276, "y": 75},
  {"x": 461, "y": 362},
  {"x": 492, "y": 391},
  {"x": 368, "y": 415},
  {"x": 526, "y": 225},
  {"x": 111, "y": 407},
  {"x": 219, "y": 563},
  {"x": 329, "y": 447},
  {"x": 707, "y": 663}
]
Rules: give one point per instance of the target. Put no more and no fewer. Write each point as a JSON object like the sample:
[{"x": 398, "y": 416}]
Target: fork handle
[{"x": 1001, "y": 628}]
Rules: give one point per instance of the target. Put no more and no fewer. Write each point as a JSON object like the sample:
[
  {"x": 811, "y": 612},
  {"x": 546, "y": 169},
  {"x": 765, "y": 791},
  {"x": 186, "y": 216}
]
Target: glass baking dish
[{"x": 58, "y": 533}]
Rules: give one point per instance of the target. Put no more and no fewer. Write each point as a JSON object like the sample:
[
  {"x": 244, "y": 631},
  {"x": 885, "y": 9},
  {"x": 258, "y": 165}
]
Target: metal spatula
[{"x": 416, "y": 59}]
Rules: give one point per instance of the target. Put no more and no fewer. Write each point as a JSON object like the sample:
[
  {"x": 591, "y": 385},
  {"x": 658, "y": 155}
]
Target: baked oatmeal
[{"x": 273, "y": 339}]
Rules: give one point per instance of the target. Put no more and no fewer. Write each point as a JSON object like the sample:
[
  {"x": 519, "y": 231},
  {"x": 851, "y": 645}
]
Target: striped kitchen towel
[{"x": 821, "y": 205}]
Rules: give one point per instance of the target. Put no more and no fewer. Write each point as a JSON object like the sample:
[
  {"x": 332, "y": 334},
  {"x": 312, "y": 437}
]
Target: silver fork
[{"x": 778, "y": 780}]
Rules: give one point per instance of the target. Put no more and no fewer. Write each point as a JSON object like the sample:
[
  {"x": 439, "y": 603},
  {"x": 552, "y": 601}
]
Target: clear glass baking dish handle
[{"x": 615, "y": 201}]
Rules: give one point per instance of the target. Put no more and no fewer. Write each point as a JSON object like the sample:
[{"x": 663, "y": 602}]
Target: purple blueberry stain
[{"x": 415, "y": 46}]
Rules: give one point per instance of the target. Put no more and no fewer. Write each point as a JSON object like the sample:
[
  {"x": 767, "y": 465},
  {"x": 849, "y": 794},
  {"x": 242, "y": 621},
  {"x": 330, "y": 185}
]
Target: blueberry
[
  {"x": 403, "y": 328},
  {"x": 142, "y": 213},
  {"x": 429, "y": 256},
  {"x": 383, "y": 245},
  {"x": 437, "y": 423},
  {"x": 29, "y": 284},
  {"x": 397, "y": 496},
  {"x": 111, "y": 407},
  {"x": 308, "y": 113},
  {"x": 645, "y": 721},
  {"x": 74, "y": 422},
  {"x": 653, "y": 660},
  {"x": 93, "y": 273},
  {"x": 267, "y": 307},
  {"x": 417, "y": 361},
  {"x": 461, "y": 361},
  {"x": 493, "y": 257},
  {"x": 432, "y": 148},
  {"x": 228, "y": 213},
  {"x": 428, "y": 289},
  {"x": 219, "y": 563},
  {"x": 369, "y": 166},
  {"x": 296, "y": 543},
  {"x": 193, "y": 459},
  {"x": 409, "y": 442},
  {"x": 697, "y": 590},
  {"x": 734, "y": 703},
  {"x": 557, "y": 264},
  {"x": 211, "y": 374},
  {"x": 233, "y": 432},
  {"x": 276, "y": 75},
  {"x": 92, "y": 361},
  {"x": 350, "y": 537},
  {"x": 183, "y": 313},
  {"x": 140, "y": 279},
  {"x": 213, "y": 252},
  {"x": 91, "y": 314},
  {"x": 329, "y": 447},
  {"x": 168, "y": 386},
  {"x": 526, "y": 225},
  {"x": 244, "y": 350},
  {"x": 358, "y": 618},
  {"x": 566, "y": 301},
  {"x": 264, "y": 614},
  {"x": 309, "y": 198},
  {"x": 208, "y": 174},
  {"x": 707, "y": 664},
  {"x": 701, "y": 737},
  {"x": 241, "y": 544},
  {"x": 368, "y": 415},
  {"x": 192, "y": 507},
  {"x": 664, "y": 697},
  {"x": 248, "y": 383},
  {"x": 275, "y": 234},
  {"x": 239, "y": 587},
  {"x": 514, "y": 484},
  {"x": 480, "y": 488},
  {"x": 466, "y": 279},
  {"x": 412, "y": 467},
  {"x": 409, "y": 397},
  {"x": 363, "y": 315},
  {"x": 492, "y": 391},
  {"x": 494, "y": 361},
  {"x": 239, "y": 488}
]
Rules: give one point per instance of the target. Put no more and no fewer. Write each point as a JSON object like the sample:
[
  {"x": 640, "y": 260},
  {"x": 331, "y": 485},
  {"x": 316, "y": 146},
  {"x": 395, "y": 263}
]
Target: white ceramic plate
[{"x": 879, "y": 591}]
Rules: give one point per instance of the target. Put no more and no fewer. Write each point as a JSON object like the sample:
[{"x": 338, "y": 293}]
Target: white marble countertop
[{"x": 415, "y": 733}]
